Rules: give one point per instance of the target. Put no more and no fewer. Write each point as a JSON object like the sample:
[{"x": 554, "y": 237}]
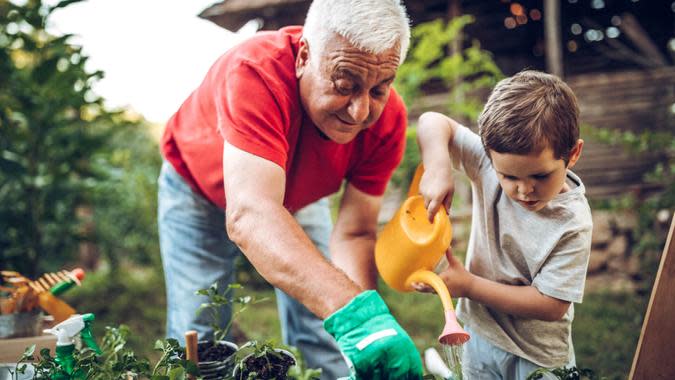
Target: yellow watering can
[{"x": 409, "y": 247}]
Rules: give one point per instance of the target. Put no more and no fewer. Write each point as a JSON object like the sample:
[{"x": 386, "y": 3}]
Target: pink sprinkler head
[{"x": 453, "y": 334}]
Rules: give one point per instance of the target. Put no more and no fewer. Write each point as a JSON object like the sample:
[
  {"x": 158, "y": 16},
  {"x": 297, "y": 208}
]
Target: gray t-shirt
[{"x": 548, "y": 249}]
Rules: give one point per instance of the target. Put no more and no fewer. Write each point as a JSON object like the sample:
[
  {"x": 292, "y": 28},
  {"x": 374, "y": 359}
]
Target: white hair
[{"x": 373, "y": 26}]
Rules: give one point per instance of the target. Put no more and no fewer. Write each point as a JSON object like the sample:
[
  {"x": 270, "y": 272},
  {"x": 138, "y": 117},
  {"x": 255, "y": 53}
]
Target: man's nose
[{"x": 359, "y": 108}]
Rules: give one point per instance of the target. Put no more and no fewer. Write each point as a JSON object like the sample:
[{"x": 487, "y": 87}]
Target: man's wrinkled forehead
[{"x": 341, "y": 57}]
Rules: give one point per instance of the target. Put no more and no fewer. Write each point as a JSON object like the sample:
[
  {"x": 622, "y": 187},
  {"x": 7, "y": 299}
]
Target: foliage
[
  {"x": 117, "y": 362},
  {"x": 63, "y": 154},
  {"x": 219, "y": 301},
  {"x": 51, "y": 125},
  {"x": 133, "y": 296},
  {"x": 125, "y": 200},
  {"x": 464, "y": 74},
  {"x": 411, "y": 158}
]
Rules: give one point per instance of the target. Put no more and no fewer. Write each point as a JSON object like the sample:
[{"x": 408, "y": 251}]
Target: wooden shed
[{"x": 617, "y": 55}]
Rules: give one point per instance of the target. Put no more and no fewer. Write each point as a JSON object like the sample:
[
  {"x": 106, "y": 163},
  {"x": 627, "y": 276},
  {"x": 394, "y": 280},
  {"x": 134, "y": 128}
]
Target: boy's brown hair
[{"x": 527, "y": 113}]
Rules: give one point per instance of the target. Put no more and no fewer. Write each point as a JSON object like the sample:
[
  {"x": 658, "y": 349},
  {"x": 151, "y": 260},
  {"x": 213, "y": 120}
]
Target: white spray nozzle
[
  {"x": 67, "y": 330},
  {"x": 435, "y": 364}
]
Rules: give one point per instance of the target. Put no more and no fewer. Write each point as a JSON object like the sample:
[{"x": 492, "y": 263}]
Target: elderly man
[{"x": 279, "y": 122}]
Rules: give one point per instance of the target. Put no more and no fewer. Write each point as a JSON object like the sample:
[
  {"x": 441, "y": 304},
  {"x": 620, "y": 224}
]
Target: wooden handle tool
[{"x": 191, "y": 353}]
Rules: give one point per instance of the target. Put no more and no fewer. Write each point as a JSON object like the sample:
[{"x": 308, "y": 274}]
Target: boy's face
[{"x": 533, "y": 179}]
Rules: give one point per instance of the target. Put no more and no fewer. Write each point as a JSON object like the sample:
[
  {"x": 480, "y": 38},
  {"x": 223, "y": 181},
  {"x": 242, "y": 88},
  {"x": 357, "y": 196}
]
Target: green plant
[
  {"x": 219, "y": 301},
  {"x": 116, "y": 362},
  {"x": 51, "y": 124},
  {"x": 564, "y": 373},
  {"x": 463, "y": 73},
  {"x": 64, "y": 156},
  {"x": 255, "y": 360}
]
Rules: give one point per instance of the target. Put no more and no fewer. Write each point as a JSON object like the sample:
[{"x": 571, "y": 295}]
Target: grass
[{"x": 606, "y": 331}]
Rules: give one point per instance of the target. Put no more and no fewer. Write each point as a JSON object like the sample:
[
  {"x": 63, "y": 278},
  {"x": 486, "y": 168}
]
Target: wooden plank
[{"x": 655, "y": 350}]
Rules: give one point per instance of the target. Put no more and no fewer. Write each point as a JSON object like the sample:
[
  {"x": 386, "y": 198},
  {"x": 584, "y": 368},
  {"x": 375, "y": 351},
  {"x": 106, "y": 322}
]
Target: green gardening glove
[{"x": 374, "y": 343}]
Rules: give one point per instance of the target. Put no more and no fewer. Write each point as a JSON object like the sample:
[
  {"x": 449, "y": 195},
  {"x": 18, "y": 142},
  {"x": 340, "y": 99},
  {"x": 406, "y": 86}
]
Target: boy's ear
[{"x": 575, "y": 153}]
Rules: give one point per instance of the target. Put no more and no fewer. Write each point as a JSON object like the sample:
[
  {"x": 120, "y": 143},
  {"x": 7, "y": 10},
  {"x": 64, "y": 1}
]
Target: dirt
[
  {"x": 270, "y": 367},
  {"x": 209, "y": 351}
]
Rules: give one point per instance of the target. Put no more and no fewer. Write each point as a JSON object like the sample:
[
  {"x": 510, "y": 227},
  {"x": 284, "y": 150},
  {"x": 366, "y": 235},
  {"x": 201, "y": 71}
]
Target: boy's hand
[
  {"x": 456, "y": 278},
  {"x": 437, "y": 187}
]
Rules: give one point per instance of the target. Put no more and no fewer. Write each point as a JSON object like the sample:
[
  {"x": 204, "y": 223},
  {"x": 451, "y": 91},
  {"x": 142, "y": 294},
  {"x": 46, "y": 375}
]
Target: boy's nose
[{"x": 525, "y": 188}]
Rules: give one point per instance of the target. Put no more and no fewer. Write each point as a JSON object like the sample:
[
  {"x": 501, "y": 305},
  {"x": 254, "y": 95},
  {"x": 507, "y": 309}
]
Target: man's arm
[
  {"x": 353, "y": 240},
  {"x": 272, "y": 240}
]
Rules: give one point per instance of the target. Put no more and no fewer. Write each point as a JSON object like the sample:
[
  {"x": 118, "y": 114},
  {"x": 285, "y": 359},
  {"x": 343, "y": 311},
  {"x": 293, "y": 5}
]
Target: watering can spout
[{"x": 452, "y": 334}]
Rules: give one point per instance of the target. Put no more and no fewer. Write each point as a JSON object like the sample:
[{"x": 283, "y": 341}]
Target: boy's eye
[
  {"x": 510, "y": 177},
  {"x": 540, "y": 176}
]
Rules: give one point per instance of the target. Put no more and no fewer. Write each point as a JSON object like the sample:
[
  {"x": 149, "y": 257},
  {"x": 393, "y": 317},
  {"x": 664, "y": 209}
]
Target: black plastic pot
[
  {"x": 281, "y": 367},
  {"x": 216, "y": 359}
]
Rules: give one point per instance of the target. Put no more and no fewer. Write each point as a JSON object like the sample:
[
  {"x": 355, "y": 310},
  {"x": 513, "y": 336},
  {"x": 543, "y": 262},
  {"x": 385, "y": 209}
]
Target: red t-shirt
[{"x": 250, "y": 98}]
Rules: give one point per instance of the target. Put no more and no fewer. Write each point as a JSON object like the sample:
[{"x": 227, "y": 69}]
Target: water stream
[{"x": 453, "y": 357}]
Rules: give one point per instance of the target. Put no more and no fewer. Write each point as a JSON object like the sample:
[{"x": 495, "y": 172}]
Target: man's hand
[{"x": 373, "y": 342}]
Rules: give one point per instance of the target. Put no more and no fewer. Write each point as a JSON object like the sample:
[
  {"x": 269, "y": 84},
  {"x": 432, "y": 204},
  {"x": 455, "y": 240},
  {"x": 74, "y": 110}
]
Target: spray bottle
[{"x": 66, "y": 332}]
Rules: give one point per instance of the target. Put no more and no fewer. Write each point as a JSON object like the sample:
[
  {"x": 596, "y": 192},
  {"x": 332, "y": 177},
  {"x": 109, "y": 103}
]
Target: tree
[{"x": 54, "y": 134}]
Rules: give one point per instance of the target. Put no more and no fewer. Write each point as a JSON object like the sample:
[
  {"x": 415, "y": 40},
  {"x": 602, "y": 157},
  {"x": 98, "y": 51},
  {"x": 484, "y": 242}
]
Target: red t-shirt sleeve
[
  {"x": 372, "y": 174},
  {"x": 249, "y": 114}
]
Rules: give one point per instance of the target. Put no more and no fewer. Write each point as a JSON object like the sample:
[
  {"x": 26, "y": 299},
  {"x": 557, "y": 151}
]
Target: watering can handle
[{"x": 414, "y": 188}]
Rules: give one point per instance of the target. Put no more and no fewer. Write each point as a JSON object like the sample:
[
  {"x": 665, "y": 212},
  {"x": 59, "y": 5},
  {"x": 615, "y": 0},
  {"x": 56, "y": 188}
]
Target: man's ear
[
  {"x": 302, "y": 59},
  {"x": 575, "y": 153}
]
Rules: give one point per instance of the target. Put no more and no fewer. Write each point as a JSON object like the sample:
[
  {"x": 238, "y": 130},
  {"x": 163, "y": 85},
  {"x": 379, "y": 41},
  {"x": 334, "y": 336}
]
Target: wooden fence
[{"x": 627, "y": 101}]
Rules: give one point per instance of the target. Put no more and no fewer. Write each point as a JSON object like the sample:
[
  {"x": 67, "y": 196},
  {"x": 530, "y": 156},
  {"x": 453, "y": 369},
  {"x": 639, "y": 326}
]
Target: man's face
[
  {"x": 345, "y": 90},
  {"x": 533, "y": 179}
]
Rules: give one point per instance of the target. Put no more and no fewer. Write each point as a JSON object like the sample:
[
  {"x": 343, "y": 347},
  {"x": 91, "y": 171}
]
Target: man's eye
[
  {"x": 378, "y": 91},
  {"x": 343, "y": 87}
]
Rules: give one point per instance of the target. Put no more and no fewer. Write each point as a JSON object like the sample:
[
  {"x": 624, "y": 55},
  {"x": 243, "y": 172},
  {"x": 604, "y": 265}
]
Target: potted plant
[
  {"x": 116, "y": 362},
  {"x": 216, "y": 357},
  {"x": 256, "y": 360}
]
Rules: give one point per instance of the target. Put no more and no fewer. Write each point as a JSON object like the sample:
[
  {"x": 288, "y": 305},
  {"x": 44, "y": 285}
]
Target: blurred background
[{"x": 86, "y": 86}]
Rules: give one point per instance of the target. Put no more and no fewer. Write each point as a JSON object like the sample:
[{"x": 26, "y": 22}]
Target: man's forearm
[
  {"x": 280, "y": 250},
  {"x": 354, "y": 255}
]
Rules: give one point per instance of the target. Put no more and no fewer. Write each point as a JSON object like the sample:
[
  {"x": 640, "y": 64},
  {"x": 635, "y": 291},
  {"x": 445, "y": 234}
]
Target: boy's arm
[
  {"x": 519, "y": 300},
  {"x": 435, "y": 133}
]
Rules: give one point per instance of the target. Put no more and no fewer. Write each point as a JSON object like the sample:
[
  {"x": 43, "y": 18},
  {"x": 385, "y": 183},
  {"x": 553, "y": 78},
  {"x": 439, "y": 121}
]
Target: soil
[
  {"x": 209, "y": 351},
  {"x": 270, "y": 367}
]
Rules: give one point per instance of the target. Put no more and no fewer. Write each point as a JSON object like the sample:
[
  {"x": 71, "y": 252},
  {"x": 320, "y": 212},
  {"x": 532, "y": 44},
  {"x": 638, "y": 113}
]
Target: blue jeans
[
  {"x": 485, "y": 361},
  {"x": 196, "y": 252}
]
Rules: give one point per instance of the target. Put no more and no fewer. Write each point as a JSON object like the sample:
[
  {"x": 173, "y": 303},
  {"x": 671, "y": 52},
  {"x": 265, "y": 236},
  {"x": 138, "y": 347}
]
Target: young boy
[{"x": 531, "y": 227}]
